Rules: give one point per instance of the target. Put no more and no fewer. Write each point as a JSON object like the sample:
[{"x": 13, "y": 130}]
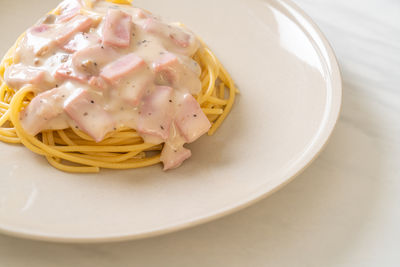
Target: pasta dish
[{"x": 103, "y": 84}]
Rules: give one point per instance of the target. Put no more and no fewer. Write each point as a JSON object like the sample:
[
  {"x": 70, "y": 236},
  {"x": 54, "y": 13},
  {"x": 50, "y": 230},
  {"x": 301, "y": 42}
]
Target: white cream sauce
[{"x": 74, "y": 60}]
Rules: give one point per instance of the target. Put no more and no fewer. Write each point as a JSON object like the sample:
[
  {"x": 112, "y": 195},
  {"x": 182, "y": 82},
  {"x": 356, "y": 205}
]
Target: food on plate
[{"x": 103, "y": 84}]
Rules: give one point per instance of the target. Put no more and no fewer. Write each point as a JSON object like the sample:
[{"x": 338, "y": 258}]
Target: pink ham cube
[
  {"x": 180, "y": 38},
  {"x": 166, "y": 67},
  {"x": 41, "y": 110},
  {"x": 77, "y": 24},
  {"x": 40, "y": 28},
  {"x": 98, "y": 83},
  {"x": 156, "y": 114},
  {"x": 152, "y": 25},
  {"x": 89, "y": 116},
  {"x": 173, "y": 37},
  {"x": 171, "y": 71},
  {"x": 173, "y": 157},
  {"x": 117, "y": 28},
  {"x": 140, "y": 14},
  {"x": 122, "y": 67},
  {"x": 38, "y": 38},
  {"x": 68, "y": 10},
  {"x": 19, "y": 75},
  {"x": 91, "y": 59},
  {"x": 190, "y": 119},
  {"x": 67, "y": 72},
  {"x": 81, "y": 41}
]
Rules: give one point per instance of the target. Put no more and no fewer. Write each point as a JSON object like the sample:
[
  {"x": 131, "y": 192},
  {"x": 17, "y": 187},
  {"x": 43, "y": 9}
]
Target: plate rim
[{"x": 321, "y": 142}]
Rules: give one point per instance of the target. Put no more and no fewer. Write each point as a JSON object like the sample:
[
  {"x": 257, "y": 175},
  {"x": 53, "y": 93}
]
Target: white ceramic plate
[{"x": 290, "y": 100}]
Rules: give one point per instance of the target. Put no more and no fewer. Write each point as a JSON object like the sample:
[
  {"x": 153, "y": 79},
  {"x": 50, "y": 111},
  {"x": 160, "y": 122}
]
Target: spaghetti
[{"x": 72, "y": 150}]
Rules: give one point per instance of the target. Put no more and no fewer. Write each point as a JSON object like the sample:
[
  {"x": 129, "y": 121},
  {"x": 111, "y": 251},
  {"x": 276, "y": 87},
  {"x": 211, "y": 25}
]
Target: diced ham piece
[
  {"x": 190, "y": 119},
  {"x": 91, "y": 59},
  {"x": 182, "y": 41},
  {"x": 118, "y": 69},
  {"x": 152, "y": 25},
  {"x": 41, "y": 110},
  {"x": 98, "y": 83},
  {"x": 68, "y": 10},
  {"x": 19, "y": 75},
  {"x": 117, "y": 28},
  {"x": 173, "y": 157},
  {"x": 81, "y": 41},
  {"x": 170, "y": 71},
  {"x": 166, "y": 67},
  {"x": 40, "y": 28},
  {"x": 89, "y": 116},
  {"x": 156, "y": 114},
  {"x": 77, "y": 24},
  {"x": 180, "y": 38},
  {"x": 39, "y": 39},
  {"x": 42, "y": 38},
  {"x": 66, "y": 71},
  {"x": 140, "y": 14},
  {"x": 129, "y": 76}
]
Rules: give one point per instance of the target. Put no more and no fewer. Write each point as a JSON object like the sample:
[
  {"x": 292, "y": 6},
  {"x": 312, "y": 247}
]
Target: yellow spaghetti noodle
[{"x": 71, "y": 150}]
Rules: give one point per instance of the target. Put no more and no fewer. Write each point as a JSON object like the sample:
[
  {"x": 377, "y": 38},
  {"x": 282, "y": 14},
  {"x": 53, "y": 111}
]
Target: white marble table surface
[{"x": 344, "y": 210}]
